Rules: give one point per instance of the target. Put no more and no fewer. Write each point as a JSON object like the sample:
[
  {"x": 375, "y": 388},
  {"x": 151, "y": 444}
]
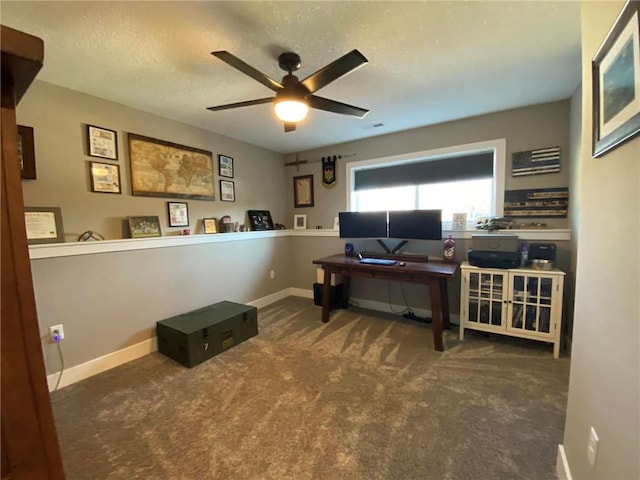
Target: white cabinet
[{"x": 520, "y": 302}]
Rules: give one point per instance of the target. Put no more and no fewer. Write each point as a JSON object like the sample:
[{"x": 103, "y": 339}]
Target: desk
[{"x": 434, "y": 274}]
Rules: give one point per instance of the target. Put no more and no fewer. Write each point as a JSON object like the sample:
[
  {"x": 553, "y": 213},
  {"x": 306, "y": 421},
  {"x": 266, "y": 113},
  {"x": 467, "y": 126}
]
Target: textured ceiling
[{"x": 429, "y": 62}]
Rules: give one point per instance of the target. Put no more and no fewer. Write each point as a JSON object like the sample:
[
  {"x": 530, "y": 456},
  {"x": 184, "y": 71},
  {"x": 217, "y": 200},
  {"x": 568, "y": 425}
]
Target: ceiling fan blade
[
  {"x": 247, "y": 69},
  {"x": 289, "y": 127},
  {"x": 241, "y": 104},
  {"x": 336, "y": 107},
  {"x": 335, "y": 70}
]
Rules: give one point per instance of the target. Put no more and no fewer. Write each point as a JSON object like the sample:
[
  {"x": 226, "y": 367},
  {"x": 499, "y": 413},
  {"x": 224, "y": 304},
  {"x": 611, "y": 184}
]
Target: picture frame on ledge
[
  {"x": 300, "y": 222},
  {"x": 102, "y": 142},
  {"x": 144, "y": 226},
  {"x": 210, "y": 225},
  {"x": 615, "y": 72},
  {"x": 178, "y": 214},
  {"x": 260, "y": 220},
  {"x": 43, "y": 225}
]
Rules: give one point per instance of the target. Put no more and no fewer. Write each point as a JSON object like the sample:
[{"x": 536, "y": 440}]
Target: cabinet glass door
[
  {"x": 486, "y": 298},
  {"x": 531, "y": 303}
]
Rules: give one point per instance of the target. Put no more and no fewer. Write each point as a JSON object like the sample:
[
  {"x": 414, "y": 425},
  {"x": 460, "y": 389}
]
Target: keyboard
[{"x": 378, "y": 261}]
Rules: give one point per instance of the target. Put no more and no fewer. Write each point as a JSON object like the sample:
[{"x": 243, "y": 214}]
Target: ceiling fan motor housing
[{"x": 289, "y": 61}]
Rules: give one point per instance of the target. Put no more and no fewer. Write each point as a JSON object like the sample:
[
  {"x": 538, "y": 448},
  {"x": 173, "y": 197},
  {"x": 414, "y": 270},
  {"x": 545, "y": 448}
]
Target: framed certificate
[
  {"x": 303, "y": 191},
  {"x": 102, "y": 143},
  {"x": 43, "y": 225}
]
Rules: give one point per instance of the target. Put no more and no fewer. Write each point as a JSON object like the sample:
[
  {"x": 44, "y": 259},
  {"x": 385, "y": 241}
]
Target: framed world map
[{"x": 165, "y": 169}]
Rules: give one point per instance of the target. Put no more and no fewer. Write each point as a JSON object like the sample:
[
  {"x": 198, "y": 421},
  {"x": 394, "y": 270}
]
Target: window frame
[{"x": 496, "y": 146}]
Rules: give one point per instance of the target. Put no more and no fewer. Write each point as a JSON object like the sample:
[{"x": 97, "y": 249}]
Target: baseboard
[
  {"x": 396, "y": 309},
  {"x": 562, "y": 465},
  {"x": 377, "y": 306},
  {"x": 106, "y": 362},
  {"x": 300, "y": 292},
  {"x": 269, "y": 299},
  {"x": 101, "y": 364}
]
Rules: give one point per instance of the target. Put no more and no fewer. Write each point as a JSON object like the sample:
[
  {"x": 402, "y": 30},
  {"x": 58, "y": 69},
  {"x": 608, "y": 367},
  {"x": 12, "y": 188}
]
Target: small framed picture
[
  {"x": 210, "y": 225},
  {"x": 43, "y": 225},
  {"x": 225, "y": 166},
  {"x": 178, "y": 214},
  {"x": 227, "y": 191},
  {"x": 459, "y": 221},
  {"x": 26, "y": 153},
  {"x": 144, "y": 227},
  {"x": 299, "y": 222},
  {"x": 616, "y": 83},
  {"x": 260, "y": 220},
  {"x": 303, "y": 191},
  {"x": 105, "y": 177},
  {"x": 102, "y": 142}
]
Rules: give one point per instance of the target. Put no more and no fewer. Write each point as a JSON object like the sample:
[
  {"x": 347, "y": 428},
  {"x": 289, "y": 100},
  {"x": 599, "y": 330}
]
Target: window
[{"x": 461, "y": 179}]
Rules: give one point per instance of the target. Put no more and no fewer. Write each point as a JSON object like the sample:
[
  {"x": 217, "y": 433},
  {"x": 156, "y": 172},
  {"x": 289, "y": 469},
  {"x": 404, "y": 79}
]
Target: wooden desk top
[{"x": 430, "y": 268}]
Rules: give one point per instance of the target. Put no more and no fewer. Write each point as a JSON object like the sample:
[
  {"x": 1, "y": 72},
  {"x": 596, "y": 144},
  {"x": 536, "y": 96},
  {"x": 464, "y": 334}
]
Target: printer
[{"x": 494, "y": 251}]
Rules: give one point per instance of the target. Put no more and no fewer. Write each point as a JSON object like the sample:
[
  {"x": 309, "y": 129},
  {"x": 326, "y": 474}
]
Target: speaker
[{"x": 348, "y": 249}]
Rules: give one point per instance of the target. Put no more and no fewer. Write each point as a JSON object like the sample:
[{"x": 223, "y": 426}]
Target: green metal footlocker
[{"x": 196, "y": 336}]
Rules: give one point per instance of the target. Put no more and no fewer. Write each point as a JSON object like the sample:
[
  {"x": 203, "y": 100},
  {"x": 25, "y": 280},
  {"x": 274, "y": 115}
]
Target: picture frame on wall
[
  {"x": 225, "y": 166},
  {"x": 144, "y": 226},
  {"x": 159, "y": 168},
  {"x": 303, "y": 191},
  {"x": 616, "y": 83},
  {"x": 178, "y": 214},
  {"x": 26, "y": 153},
  {"x": 210, "y": 225},
  {"x": 102, "y": 142},
  {"x": 227, "y": 191},
  {"x": 105, "y": 177},
  {"x": 43, "y": 225}
]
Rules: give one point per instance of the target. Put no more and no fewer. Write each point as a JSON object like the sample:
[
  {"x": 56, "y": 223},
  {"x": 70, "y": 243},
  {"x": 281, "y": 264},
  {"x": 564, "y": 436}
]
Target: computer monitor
[
  {"x": 363, "y": 224},
  {"x": 415, "y": 224}
]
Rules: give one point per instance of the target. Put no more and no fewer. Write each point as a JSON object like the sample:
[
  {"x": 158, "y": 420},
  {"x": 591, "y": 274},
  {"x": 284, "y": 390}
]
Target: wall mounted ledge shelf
[
  {"x": 70, "y": 249},
  {"x": 54, "y": 250}
]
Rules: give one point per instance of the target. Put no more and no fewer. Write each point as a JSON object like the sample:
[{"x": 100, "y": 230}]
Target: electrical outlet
[
  {"x": 592, "y": 447},
  {"x": 272, "y": 274},
  {"x": 57, "y": 333}
]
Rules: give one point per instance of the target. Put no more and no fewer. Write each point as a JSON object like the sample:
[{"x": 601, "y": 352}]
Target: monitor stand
[{"x": 393, "y": 250}]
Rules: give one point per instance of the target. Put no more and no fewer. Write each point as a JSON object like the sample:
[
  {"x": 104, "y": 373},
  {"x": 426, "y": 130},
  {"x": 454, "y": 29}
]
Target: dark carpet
[{"x": 364, "y": 396}]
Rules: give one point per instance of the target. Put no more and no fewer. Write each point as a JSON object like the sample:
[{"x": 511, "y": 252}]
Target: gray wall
[
  {"x": 527, "y": 128},
  {"x": 604, "y": 388},
  {"x": 111, "y": 301},
  {"x": 59, "y": 115}
]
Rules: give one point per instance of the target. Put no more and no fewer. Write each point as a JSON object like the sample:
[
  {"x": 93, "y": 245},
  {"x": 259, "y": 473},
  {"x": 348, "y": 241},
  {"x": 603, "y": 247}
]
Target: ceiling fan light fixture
[{"x": 291, "y": 110}]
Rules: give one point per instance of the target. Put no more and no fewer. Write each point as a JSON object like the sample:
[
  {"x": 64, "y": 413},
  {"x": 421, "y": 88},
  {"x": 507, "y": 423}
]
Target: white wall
[{"x": 604, "y": 389}]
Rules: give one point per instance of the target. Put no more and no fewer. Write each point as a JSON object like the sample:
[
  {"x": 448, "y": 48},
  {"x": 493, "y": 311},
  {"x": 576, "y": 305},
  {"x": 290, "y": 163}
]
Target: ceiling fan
[{"x": 294, "y": 97}]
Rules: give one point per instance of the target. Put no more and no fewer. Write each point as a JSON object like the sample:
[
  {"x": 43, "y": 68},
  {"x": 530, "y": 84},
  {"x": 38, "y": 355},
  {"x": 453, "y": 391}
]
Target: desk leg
[
  {"x": 444, "y": 302},
  {"x": 436, "y": 313},
  {"x": 326, "y": 296}
]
